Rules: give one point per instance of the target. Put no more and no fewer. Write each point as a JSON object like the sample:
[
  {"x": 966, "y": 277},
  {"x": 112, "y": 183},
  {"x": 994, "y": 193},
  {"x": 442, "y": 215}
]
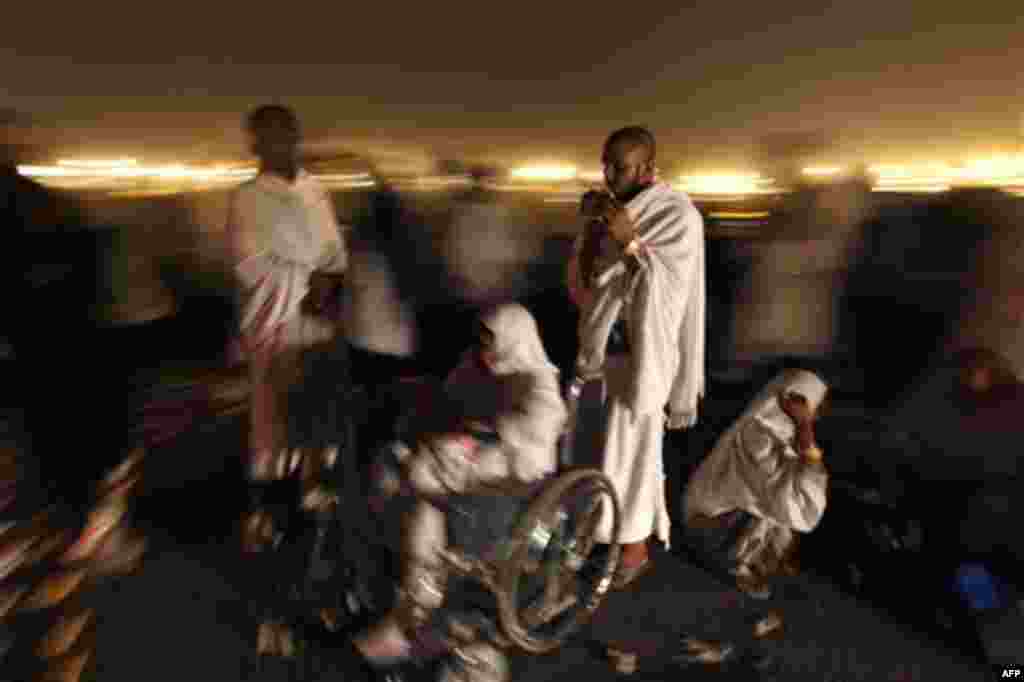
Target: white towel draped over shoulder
[
  {"x": 755, "y": 468},
  {"x": 279, "y": 234},
  {"x": 660, "y": 292}
]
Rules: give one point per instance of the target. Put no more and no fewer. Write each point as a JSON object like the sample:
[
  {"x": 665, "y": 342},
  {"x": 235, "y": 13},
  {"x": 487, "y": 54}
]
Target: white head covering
[
  {"x": 755, "y": 468},
  {"x": 523, "y": 396},
  {"x": 517, "y": 345},
  {"x": 766, "y": 408}
]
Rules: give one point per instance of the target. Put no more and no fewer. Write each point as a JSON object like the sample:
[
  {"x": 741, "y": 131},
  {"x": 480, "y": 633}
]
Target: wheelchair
[
  {"x": 524, "y": 569},
  {"x": 532, "y": 550}
]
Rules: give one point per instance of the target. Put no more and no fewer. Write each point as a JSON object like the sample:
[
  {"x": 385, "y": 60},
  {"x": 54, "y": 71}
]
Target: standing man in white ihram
[{"x": 641, "y": 333}]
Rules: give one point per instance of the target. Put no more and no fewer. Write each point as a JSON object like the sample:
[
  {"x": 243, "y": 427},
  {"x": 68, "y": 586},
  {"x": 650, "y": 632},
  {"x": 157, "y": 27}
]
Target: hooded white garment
[
  {"x": 661, "y": 295},
  {"x": 281, "y": 233},
  {"x": 755, "y": 468},
  {"x": 522, "y": 397}
]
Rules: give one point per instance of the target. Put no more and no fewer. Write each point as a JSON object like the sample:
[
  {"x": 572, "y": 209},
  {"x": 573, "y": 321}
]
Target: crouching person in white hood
[{"x": 763, "y": 483}]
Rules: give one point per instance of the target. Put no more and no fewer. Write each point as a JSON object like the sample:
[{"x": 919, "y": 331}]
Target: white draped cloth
[
  {"x": 659, "y": 292},
  {"x": 755, "y": 468},
  {"x": 281, "y": 232}
]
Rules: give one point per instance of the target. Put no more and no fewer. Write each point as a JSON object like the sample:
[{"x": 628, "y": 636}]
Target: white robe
[
  {"x": 755, "y": 468},
  {"x": 281, "y": 233},
  {"x": 660, "y": 293}
]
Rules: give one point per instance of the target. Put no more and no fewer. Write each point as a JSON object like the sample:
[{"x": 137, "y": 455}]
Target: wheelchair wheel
[{"x": 553, "y": 580}]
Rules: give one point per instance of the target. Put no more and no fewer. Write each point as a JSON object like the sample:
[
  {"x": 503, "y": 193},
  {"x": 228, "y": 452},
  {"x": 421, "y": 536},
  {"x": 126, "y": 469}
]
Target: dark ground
[{"x": 186, "y": 614}]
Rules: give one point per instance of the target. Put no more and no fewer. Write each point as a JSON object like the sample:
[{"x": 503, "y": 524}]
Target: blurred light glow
[
  {"x": 890, "y": 171},
  {"x": 549, "y": 173},
  {"x": 739, "y": 215},
  {"x": 912, "y": 187},
  {"x": 91, "y": 163},
  {"x": 591, "y": 176},
  {"x": 724, "y": 184},
  {"x": 993, "y": 171},
  {"x": 1000, "y": 171},
  {"x": 563, "y": 198},
  {"x": 123, "y": 175},
  {"x": 822, "y": 171}
]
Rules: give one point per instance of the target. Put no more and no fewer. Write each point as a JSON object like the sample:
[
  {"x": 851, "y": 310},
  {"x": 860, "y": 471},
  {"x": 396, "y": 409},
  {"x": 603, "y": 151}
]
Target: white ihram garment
[
  {"x": 280, "y": 234},
  {"x": 660, "y": 293},
  {"x": 755, "y": 468}
]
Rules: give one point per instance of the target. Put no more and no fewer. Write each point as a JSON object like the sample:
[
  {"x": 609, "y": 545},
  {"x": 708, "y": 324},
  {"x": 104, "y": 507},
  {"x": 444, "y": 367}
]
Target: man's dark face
[
  {"x": 276, "y": 142},
  {"x": 628, "y": 169}
]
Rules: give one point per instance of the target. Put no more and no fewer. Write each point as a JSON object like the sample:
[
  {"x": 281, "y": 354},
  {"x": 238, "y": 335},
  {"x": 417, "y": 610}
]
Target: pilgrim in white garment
[
  {"x": 757, "y": 468},
  {"x": 650, "y": 302},
  {"x": 281, "y": 229}
]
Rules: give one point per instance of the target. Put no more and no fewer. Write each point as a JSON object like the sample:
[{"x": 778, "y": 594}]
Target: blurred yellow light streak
[
  {"x": 546, "y": 172},
  {"x": 910, "y": 188},
  {"x": 725, "y": 184},
  {"x": 822, "y": 171},
  {"x": 95, "y": 163},
  {"x": 739, "y": 215},
  {"x": 1006, "y": 171}
]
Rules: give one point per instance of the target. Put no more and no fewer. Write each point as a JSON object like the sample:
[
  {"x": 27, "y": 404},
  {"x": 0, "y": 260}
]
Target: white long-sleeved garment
[
  {"x": 660, "y": 293},
  {"x": 755, "y": 468},
  {"x": 281, "y": 232}
]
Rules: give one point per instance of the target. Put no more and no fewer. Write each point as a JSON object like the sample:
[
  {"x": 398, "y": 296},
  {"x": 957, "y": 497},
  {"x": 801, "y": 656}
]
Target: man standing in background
[{"x": 284, "y": 239}]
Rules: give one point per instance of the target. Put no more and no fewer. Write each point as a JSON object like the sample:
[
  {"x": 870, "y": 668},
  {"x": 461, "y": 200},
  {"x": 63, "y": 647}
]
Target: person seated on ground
[
  {"x": 763, "y": 483},
  {"x": 505, "y": 384}
]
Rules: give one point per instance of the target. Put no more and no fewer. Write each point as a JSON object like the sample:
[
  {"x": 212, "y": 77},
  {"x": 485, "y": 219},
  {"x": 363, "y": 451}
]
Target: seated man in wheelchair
[
  {"x": 507, "y": 387},
  {"x": 763, "y": 483}
]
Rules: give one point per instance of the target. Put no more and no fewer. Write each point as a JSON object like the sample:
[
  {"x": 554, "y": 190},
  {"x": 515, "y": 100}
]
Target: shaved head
[
  {"x": 270, "y": 115},
  {"x": 633, "y": 137},
  {"x": 628, "y": 160}
]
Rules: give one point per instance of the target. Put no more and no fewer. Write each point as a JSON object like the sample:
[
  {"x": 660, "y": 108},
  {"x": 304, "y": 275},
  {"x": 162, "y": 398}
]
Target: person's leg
[
  {"x": 752, "y": 552},
  {"x": 431, "y": 472},
  {"x": 712, "y": 539},
  {"x": 420, "y": 593},
  {"x": 263, "y": 436},
  {"x": 633, "y": 462}
]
